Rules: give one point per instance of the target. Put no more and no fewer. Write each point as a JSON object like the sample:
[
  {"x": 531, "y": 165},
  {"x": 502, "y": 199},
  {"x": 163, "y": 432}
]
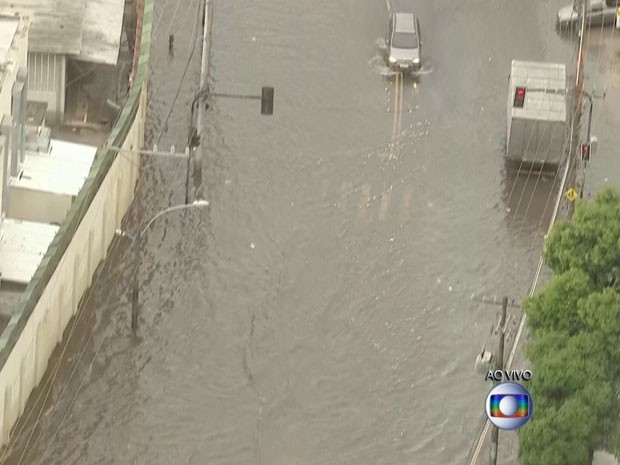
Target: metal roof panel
[
  {"x": 22, "y": 247},
  {"x": 56, "y": 25},
  {"x": 101, "y": 35}
]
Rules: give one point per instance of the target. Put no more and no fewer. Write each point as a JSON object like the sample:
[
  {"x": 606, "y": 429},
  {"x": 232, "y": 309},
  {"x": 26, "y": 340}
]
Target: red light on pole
[{"x": 519, "y": 97}]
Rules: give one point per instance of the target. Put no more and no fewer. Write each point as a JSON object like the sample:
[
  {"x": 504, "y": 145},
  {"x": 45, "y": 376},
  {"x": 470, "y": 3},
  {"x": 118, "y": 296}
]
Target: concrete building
[
  {"x": 69, "y": 39},
  {"x": 14, "y": 33},
  {"x": 47, "y": 181},
  {"x": 37, "y": 319},
  {"x": 40, "y": 176}
]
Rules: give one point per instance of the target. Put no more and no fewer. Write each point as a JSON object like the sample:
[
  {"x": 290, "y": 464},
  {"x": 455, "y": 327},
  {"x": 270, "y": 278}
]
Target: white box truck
[{"x": 537, "y": 113}]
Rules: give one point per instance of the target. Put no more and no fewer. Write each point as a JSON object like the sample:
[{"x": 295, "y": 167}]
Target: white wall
[
  {"x": 29, "y": 357},
  {"x": 36, "y": 205},
  {"x": 46, "y": 82}
]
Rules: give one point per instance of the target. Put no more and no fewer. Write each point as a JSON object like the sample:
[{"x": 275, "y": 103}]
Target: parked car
[
  {"x": 599, "y": 13},
  {"x": 404, "y": 45}
]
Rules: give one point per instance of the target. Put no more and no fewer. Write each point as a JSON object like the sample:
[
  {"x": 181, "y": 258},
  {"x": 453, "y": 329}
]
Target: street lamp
[{"x": 137, "y": 243}]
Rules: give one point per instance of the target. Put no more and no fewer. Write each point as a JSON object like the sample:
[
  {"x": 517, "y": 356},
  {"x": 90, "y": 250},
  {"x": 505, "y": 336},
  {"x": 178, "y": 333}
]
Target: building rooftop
[
  {"x": 22, "y": 247},
  {"x": 101, "y": 33},
  {"x": 8, "y": 28},
  {"x": 89, "y": 30},
  {"x": 545, "y": 96},
  {"x": 56, "y": 24},
  {"x": 61, "y": 171}
]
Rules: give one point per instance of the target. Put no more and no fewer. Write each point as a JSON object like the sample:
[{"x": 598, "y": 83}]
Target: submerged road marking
[
  {"x": 385, "y": 203},
  {"x": 398, "y": 110},
  {"x": 345, "y": 190},
  {"x": 363, "y": 205},
  {"x": 406, "y": 206}
]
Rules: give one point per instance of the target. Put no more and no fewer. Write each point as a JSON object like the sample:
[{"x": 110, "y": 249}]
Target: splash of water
[{"x": 379, "y": 66}]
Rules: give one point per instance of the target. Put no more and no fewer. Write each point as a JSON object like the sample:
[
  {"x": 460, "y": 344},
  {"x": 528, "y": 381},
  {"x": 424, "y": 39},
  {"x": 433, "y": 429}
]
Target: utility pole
[
  {"x": 499, "y": 364},
  {"x": 501, "y": 330},
  {"x": 202, "y": 102},
  {"x": 574, "y": 159},
  {"x": 135, "y": 293}
]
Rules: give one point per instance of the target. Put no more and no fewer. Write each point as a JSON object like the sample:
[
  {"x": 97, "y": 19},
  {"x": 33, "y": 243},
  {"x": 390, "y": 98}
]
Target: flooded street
[{"x": 320, "y": 310}]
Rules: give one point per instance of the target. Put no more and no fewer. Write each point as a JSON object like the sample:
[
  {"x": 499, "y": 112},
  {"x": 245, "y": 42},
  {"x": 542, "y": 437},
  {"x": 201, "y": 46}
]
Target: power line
[
  {"x": 187, "y": 65},
  {"x": 178, "y": 92}
]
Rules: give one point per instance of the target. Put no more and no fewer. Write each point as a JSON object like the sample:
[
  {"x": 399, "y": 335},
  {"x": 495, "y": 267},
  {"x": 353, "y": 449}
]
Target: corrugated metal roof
[
  {"x": 62, "y": 171},
  {"x": 542, "y": 107},
  {"x": 8, "y": 27},
  {"x": 533, "y": 74},
  {"x": 101, "y": 33},
  {"x": 22, "y": 247},
  {"x": 56, "y": 25},
  {"x": 545, "y": 96}
]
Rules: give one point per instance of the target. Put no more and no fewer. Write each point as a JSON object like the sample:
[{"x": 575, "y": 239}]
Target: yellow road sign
[{"x": 571, "y": 195}]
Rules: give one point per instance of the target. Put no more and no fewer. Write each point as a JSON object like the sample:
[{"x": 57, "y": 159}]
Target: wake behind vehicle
[
  {"x": 404, "y": 45},
  {"x": 598, "y": 13}
]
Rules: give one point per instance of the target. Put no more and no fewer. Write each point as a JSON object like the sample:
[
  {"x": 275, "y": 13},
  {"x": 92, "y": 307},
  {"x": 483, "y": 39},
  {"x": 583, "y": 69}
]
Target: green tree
[
  {"x": 613, "y": 440},
  {"x": 555, "y": 308},
  {"x": 575, "y": 328},
  {"x": 547, "y": 440},
  {"x": 600, "y": 314},
  {"x": 563, "y": 366},
  {"x": 568, "y": 434},
  {"x": 590, "y": 242}
]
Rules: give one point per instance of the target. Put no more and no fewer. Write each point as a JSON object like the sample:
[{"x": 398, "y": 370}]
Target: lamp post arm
[
  {"x": 166, "y": 211},
  {"x": 137, "y": 248},
  {"x": 239, "y": 96}
]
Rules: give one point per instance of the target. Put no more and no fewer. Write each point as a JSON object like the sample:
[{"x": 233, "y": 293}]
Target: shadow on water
[{"x": 529, "y": 195}]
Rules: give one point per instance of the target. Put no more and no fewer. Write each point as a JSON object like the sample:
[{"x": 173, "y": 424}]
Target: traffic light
[
  {"x": 266, "y": 101},
  {"x": 519, "y": 97},
  {"x": 585, "y": 152}
]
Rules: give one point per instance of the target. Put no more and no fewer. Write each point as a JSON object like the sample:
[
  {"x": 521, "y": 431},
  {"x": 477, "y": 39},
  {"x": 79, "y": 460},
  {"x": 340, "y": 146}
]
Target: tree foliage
[
  {"x": 590, "y": 242},
  {"x": 548, "y": 439},
  {"x": 574, "y": 347},
  {"x": 554, "y": 309},
  {"x": 564, "y": 365}
]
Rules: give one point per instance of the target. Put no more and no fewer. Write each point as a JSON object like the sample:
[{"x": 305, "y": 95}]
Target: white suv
[{"x": 404, "y": 42}]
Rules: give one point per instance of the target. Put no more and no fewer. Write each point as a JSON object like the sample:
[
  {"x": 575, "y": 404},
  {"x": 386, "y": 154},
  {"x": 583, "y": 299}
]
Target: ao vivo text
[{"x": 508, "y": 375}]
